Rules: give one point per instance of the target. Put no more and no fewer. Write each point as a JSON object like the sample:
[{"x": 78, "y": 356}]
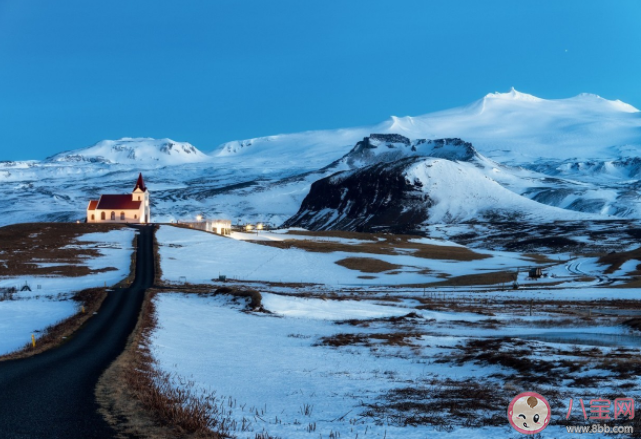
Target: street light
[
  {"x": 199, "y": 218},
  {"x": 248, "y": 227}
]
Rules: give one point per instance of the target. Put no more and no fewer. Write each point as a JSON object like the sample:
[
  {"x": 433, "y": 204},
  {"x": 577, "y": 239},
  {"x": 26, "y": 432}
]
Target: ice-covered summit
[
  {"x": 139, "y": 150},
  {"x": 513, "y": 94},
  {"x": 511, "y": 127}
]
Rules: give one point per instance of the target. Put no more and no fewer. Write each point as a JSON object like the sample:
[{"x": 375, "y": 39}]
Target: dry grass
[
  {"x": 490, "y": 278},
  {"x": 635, "y": 282},
  {"x": 367, "y": 265},
  {"x": 615, "y": 260},
  {"x": 55, "y": 335},
  {"x": 26, "y": 245},
  {"x": 443, "y": 404},
  {"x": 371, "y": 340},
  {"x": 538, "y": 258},
  {"x": 254, "y": 296},
  {"x": 140, "y": 401},
  {"x": 375, "y": 243}
]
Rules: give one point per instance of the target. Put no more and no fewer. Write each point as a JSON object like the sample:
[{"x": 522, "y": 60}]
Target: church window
[
  {"x": 93, "y": 217},
  {"x": 102, "y": 215},
  {"x": 113, "y": 216},
  {"x": 122, "y": 216}
]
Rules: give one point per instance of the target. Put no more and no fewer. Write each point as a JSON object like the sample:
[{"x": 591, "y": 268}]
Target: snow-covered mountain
[
  {"x": 135, "y": 151},
  {"x": 392, "y": 182},
  {"x": 578, "y": 154},
  {"x": 508, "y": 127}
]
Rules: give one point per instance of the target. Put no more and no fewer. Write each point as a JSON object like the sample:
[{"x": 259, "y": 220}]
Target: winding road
[{"x": 51, "y": 395}]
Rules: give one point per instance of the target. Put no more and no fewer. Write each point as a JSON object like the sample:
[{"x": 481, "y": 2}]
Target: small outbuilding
[
  {"x": 219, "y": 226},
  {"x": 535, "y": 273}
]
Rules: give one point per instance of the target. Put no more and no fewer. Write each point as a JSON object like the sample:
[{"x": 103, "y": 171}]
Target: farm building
[
  {"x": 221, "y": 227},
  {"x": 535, "y": 273}
]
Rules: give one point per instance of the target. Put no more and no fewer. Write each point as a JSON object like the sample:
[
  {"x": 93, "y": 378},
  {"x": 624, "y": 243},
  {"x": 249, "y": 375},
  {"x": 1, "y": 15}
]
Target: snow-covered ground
[
  {"x": 49, "y": 301},
  {"x": 280, "y": 373},
  {"x": 275, "y": 376},
  {"x": 200, "y": 257}
]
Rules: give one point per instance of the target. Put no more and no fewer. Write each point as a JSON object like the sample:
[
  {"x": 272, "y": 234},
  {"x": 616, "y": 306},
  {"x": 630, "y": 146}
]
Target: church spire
[{"x": 140, "y": 184}]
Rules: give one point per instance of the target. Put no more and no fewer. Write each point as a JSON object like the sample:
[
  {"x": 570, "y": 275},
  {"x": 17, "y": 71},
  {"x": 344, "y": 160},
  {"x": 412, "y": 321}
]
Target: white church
[{"x": 127, "y": 208}]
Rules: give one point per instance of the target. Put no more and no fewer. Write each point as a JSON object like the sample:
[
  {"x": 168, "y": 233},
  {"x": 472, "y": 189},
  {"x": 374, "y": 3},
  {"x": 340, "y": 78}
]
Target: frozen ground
[
  {"x": 275, "y": 373},
  {"x": 49, "y": 300},
  {"x": 274, "y": 377},
  {"x": 370, "y": 358},
  {"x": 201, "y": 257}
]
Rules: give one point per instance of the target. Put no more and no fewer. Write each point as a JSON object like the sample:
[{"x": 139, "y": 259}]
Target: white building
[
  {"x": 222, "y": 227},
  {"x": 127, "y": 208}
]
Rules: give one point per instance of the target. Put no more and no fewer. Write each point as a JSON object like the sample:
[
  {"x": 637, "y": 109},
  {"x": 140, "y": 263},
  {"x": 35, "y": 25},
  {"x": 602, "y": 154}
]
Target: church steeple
[{"x": 140, "y": 184}]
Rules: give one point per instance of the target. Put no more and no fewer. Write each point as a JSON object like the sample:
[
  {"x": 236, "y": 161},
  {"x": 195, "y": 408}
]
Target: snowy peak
[
  {"x": 378, "y": 148},
  {"x": 512, "y": 95},
  {"x": 405, "y": 194},
  {"x": 616, "y": 105},
  {"x": 141, "y": 150},
  {"x": 513, "y": 128}
]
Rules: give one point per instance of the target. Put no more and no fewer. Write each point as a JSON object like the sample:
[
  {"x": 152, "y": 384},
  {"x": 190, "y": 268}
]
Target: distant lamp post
[
  {"x": 199, "y": 218},
  {"x": 259, "y": 227},
  {"x": 248, "y": 227}
]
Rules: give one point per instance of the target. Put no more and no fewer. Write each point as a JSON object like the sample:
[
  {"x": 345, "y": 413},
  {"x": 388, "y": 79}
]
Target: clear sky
[{"x": 74, "y": 72}]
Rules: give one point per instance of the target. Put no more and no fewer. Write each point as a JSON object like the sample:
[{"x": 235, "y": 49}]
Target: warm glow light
[
  {"x": 248, "y": 227},
  {"x": 260, "y": 226},
  {"x": 199, "y": 218}
]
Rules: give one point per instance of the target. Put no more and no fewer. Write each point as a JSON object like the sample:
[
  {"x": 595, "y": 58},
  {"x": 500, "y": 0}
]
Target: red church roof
[
  {"x": 140, "y": 183},
  {"x": 117, "y": 202},
  {"x": 93, "y": 204}
]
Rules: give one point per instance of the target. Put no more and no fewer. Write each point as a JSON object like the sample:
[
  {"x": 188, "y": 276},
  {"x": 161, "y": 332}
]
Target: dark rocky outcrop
[{"x": 372, "y": 198}]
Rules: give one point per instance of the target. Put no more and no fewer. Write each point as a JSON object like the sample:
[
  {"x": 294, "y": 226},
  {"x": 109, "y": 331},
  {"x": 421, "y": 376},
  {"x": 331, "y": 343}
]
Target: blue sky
[{"x": 75, "y": 72}]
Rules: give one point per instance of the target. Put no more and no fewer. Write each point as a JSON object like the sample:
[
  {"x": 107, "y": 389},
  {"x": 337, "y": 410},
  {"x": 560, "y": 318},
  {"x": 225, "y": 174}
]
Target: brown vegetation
[
  {"x": 538, "y": 258},
  {"x": 26, "y": 245},
  {"x": 443, "y": 404},
  {"x": 490, "y": 278},
  {"x": 391, "y": 339},
  {"x": 615, "y": 260},
  {"x": 367, "y": 265},
  {"x": 375, "y": 243},
  {"x": 141, "y": 401}
]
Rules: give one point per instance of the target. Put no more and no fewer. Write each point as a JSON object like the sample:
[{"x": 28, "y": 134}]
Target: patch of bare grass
[
  {"x": 443, "y": 404},
  {"x": 139, "y": 400},
  {"x": 615, "y": 260},
  {"x": 367, "y": 265},
  {"x": 27, "y": 245},
  {"x": 538, "y": 258},
  {"x": 490, "y": 278},
  {"x": 375, "y": 243},
  {"x": 370, "y": 340}
]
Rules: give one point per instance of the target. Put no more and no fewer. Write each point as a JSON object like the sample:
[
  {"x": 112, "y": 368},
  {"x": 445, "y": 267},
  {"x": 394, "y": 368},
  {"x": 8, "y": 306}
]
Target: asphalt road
[{"x": 51, "y": 395}]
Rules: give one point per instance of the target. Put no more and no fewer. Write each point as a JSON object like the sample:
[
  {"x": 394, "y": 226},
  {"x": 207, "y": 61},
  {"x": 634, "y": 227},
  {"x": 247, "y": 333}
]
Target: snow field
[
  {"x": 34, "y": 310},
  {"x": 271, "y": 364},
  {"x": 201, "y": 257}
]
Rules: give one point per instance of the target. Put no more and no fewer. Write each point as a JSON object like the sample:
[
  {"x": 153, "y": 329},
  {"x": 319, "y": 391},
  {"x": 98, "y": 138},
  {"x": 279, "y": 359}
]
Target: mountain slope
[
  {"x": 135, "y": 151},
  {"x": 578, "y": 154},
  {"x": 413, "y": 191},
  {"x": 508, "y": 127}
]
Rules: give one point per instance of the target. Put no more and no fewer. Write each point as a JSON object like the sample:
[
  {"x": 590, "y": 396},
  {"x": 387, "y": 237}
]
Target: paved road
[{"x": 51, "y": 395}]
